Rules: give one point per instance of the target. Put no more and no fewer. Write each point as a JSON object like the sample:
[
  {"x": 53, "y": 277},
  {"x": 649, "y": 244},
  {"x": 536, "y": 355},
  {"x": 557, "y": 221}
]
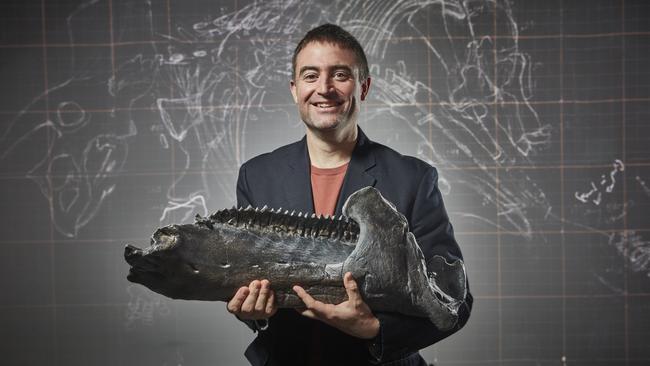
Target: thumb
[{"x": 351, "y": 289}]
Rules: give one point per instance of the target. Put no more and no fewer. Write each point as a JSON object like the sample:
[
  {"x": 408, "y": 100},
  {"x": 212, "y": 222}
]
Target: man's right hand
[{"x": 255, "y": 302}]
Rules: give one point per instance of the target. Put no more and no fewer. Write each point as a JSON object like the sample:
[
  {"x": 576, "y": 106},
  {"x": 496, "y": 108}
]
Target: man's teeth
[{"x": 326, "y": 105}]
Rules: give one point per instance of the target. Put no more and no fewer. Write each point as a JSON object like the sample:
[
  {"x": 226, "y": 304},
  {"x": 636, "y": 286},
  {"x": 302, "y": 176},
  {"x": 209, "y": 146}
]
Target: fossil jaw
[{"x": 211, "y": 259}]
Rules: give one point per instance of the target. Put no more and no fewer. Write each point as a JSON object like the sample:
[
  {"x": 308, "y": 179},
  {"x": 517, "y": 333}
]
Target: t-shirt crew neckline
[
  {"x": 326, "y": 186},
  {"x": 329, "y": 171}
]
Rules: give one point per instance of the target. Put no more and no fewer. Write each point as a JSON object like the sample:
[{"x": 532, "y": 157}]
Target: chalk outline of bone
[{"x": 619, "y": 166}]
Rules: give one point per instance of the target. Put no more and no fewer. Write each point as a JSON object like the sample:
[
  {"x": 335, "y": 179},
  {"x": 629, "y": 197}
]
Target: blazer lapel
[
  {"x": 359, "y": 173},
  {"x": 297, "y": 184}
]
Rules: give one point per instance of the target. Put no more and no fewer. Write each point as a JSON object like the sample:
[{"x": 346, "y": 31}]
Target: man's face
[{"x": 326, "y": 86}]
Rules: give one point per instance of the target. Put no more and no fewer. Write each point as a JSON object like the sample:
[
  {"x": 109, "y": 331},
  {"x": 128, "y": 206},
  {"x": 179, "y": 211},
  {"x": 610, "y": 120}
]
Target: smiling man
[
  {"x": 317, "y": 174},
  {"x": 327, "y": 86}
]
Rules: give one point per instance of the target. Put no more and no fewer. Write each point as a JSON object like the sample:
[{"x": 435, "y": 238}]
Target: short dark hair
[{"x": 331, "y": 33}]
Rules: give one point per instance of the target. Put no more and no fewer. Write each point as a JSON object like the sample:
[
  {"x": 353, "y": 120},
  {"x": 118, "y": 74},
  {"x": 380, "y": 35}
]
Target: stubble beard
[{"x": 342, "y": 119}]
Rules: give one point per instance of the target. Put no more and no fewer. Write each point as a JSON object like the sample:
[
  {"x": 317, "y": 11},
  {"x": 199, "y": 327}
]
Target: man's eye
[
  {"x": 341, "y": 76},
  {"x": 309, "y": 77}
]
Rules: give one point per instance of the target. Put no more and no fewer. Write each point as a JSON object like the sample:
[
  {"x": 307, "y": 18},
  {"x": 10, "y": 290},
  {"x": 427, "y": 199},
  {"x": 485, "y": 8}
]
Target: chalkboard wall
[{"x": 120, "y": 116}]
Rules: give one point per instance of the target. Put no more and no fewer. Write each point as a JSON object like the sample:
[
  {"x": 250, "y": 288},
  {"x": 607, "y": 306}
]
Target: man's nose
[{"x": 325, "y": 85}]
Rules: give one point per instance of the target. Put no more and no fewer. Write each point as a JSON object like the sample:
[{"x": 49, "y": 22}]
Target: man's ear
[
  {"x": 365, "y": 87},
  {"x": 292, "y": 87}
]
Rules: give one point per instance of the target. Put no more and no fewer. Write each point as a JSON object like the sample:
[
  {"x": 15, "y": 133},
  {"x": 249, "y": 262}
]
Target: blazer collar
[
  {"x": 298, "y": 183},
  {"x": 359, "y": 173}
]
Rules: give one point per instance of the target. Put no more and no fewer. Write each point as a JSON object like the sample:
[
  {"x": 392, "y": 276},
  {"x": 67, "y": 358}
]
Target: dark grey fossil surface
[{"x": 212, "y": 258}]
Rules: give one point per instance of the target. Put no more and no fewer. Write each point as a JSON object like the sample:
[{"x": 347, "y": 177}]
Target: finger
[
  {"x": 315, "y": 308},
  {"x": 251, "y": 299},
  {"x": 352, "y": 289},
  {"x": 270, "y": 304},
  {"x": 234, "y": 305},
  {"x": 304, "y": 296},
  {"x": 321, "y": 311},
  {"x": 308, "y": 313},
  {"x": 260, "y": 304}
]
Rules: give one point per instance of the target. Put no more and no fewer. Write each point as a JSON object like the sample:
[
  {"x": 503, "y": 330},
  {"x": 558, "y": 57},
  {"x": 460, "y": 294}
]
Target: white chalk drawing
[
  {"x": 198, "y": 91},
  {"x": 634, "y": 248},
  {"x": 643, "y": 185},
  {"x": 605, "y": 185},
  {"x": 192, "y": 89},
  {"x": 143, "y": 307},
  {"x": 215, "y": 81},
  {"x": 192, "y": 206}
]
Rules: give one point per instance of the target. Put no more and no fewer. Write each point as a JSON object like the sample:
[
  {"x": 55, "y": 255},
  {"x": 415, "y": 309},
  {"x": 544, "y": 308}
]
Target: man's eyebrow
[
  {"x": 345, "y": 68},
  {"x": 342, "y": 67}
]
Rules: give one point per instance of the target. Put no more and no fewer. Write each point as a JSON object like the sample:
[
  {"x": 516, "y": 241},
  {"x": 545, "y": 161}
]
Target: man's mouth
[{"x": 327, "y": 105}]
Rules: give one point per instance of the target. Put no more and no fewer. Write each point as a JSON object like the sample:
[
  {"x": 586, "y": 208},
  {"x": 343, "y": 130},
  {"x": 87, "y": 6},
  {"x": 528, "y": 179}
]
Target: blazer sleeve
[
  {"x": 400, "y": 334},
  {"x": 243, "y": 190}
]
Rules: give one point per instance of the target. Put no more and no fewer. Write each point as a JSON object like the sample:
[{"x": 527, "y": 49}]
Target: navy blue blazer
[{"x": 282, "y": 179}]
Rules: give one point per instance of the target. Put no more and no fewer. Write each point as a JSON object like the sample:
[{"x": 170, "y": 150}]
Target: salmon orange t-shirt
[{"x": 325, "y": 187}]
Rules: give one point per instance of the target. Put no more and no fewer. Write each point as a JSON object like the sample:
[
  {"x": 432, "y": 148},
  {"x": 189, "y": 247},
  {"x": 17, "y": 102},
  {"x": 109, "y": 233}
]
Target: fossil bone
[{"x": 212, "y": 258}]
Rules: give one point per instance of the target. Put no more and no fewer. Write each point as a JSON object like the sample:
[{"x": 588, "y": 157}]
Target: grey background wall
[{"x": 117, "y": 117}]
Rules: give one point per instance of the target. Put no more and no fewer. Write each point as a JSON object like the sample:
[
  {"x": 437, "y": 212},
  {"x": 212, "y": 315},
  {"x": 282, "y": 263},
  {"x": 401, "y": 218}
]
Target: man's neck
[{"x": 331, "y": 149}]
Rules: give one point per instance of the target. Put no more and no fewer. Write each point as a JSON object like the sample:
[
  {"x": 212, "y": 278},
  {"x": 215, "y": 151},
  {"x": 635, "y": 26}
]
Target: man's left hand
[{"x": 352, "y": 316}]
